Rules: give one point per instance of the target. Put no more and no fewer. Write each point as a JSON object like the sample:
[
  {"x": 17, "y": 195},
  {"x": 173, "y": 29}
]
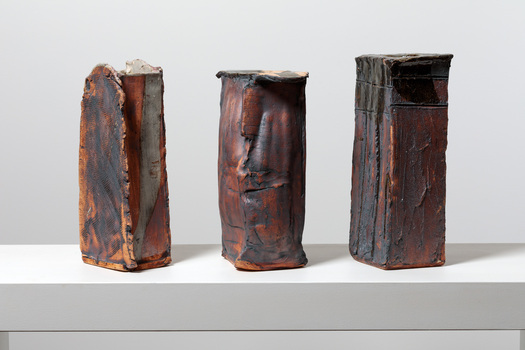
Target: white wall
[{"x": 48, "y": 48}]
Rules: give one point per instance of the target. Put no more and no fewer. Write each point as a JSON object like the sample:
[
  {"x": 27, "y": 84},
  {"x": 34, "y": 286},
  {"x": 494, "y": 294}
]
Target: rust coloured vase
[
  {"x": 262, "y": 154},
  {"x": 398, "y": 167},
  {"x": 123, "y": 207}
]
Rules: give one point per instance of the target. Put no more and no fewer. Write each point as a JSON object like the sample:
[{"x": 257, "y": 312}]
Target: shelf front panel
[{"x": 48, "y": 288}]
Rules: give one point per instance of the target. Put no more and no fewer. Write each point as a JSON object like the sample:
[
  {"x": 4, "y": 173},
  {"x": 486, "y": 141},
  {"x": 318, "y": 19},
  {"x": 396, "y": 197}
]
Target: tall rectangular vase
[
  {"x": 262, "y": 154},
  {"x": 398, "y": 166},
  {"x": 123, "y": 209}
]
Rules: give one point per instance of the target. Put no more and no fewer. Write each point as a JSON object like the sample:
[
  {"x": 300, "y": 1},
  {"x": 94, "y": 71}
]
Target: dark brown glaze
[
  {"x": 133, "y": 87},
  {"x": 398, "y": 166},
  {"x": 157, "y": 240},
  {"x": 110, "y": 175},
  {"x": 105, "y": 219},
  {"x": 156, "y": 246},
  {"x": 262, "y": 154}
]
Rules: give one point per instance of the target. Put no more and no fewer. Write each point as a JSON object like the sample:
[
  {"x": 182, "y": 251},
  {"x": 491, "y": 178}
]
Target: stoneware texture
[
  {"x": 123, "y": 209},
  {"x": 262, "y": 154},
  {"x": 398, "y": 166}
]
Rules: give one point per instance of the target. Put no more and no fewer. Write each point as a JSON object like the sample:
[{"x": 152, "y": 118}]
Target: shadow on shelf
[
  {"x": 317, "y": 254},
  {"x": 185, "y": 252},
  {"x": 323, "y": 253},
  {"x": 467, "y": 252}
]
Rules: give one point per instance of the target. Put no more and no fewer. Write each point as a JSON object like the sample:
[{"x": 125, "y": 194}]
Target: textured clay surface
[
  {"x": 262, "y": 154},
  {"x": 123, "y": 208},
  {"x": 398, "y": 166}
]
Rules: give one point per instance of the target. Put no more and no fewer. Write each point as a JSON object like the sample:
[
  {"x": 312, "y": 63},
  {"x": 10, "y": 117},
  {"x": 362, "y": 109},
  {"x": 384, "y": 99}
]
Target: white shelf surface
[{"x": 49, "y": 288}]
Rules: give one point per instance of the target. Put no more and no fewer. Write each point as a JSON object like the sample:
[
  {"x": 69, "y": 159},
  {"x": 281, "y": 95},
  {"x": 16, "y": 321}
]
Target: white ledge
[{"x": 49, "y": 288}]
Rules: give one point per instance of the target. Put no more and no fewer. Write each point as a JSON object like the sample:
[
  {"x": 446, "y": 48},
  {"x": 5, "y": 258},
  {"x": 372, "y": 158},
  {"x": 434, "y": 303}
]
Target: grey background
[{"x": 48, "y": 48}]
